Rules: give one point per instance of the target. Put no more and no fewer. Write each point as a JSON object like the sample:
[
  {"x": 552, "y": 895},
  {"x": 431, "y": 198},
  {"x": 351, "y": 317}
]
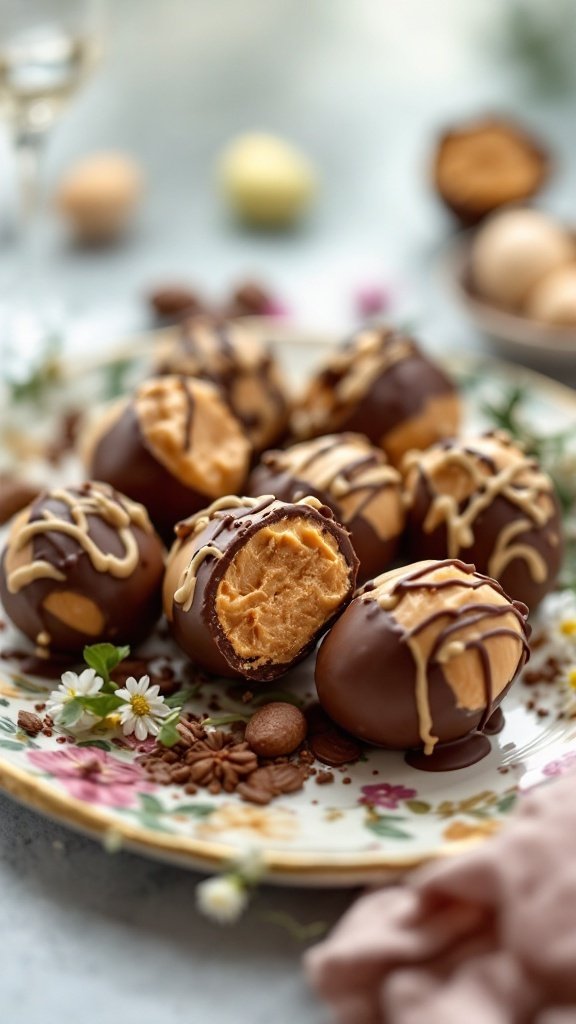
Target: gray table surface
[{"x": 363, "y": 87}]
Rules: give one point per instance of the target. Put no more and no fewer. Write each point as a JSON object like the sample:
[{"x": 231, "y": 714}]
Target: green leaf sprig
[
  {"x": 103, "y": 659},
  {"x": 508, "y": 415}
]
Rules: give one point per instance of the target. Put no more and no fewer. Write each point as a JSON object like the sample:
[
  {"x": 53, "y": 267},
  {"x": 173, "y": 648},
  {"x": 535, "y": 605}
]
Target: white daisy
[
  {"x": 222, "y": 899},
  {"x": 143, "y": 710},
  {"x": 87, "y": 684},
  {"x": 558, "y": 616}
]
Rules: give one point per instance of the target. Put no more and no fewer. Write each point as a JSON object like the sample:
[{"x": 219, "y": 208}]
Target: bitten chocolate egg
[
  {"x": 233, "y": 356},
  {"x": 483, "y": 499},
  {"x": 251, "y": 583},
  {"x": 82, "y": 565},
  {"x": 353, "y": 478},
  {"x": 381, "y": 385},
  {"x": 174, "y": 445},
  {"x": 420, "y": 661}
]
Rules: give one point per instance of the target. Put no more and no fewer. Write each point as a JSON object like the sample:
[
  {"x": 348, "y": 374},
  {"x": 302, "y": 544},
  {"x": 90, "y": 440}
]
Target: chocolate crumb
[{"x": 324, "y": 778}]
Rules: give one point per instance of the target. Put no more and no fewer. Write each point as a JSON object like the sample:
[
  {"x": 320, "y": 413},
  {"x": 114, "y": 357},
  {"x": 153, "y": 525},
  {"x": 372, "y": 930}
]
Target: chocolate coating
[
  {"x": 381, "y": 385},
  {"x": 82, "y": 565},
  {"x": 233, "y": 357},
  {"x": 178, "y": 459},
  {"x": 203, "y": 569},
  {"x": 482, "y": 499},
  {"x": 352, "y": 477},
  {"x": 422, "y": 657}
]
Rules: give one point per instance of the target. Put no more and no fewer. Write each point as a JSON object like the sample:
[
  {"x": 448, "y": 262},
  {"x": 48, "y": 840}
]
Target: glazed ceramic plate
[{"x": 377, "y": 818}]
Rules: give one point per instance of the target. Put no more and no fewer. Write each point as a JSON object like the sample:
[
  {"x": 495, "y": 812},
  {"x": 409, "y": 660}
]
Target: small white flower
[
  {"x": 222, "y": 899},
  {"x": 143, "y": 710},
  {"x": 87, "y": 684},
  {"x": 558, "y": 616}
]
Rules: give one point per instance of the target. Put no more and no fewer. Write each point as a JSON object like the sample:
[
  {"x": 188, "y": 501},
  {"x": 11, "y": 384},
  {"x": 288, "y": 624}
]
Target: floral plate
[{"x": 379, "y": 816}]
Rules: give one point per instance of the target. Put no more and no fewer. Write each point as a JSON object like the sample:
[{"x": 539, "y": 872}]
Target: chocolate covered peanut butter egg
[
  {"x": 420, "y": 661},
  {"x": 352, "y": 477},
  {"x": 174, "y": 446},
  {"x": 233, "y": 356},
  {"x": 82, "y": 565},
  {"x": 251, "y": 583},
  {"x": 484, "y": 500},
  {"x": 382, "y": 385}
]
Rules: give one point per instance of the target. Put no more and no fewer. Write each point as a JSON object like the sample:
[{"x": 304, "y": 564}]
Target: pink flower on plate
[
  {"x": 382, "y": 794},
  {"x": 561, "y": 766},
  {"x": 92, "y": 775}
]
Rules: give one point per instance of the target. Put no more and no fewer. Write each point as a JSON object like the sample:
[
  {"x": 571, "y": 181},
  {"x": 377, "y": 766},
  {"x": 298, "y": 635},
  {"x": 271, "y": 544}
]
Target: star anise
[{"x": 219, "y": 762}]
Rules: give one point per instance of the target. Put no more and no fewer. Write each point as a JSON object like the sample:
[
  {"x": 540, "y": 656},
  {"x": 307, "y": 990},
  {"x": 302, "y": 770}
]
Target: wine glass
[{"x": 47, "y": 49}]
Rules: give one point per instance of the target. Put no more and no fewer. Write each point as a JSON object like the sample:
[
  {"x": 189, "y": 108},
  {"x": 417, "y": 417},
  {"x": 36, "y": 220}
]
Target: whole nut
[{"x": 276, "y": 729}]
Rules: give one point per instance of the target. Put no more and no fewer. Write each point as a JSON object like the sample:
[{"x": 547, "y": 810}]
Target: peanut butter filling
[
  {"x": 75, "y": 610},
  {"x": 352, "y": 472},
  {"x": 440, "y": 417},
  {"x": 191, "y": 432},
  {"x": 488, "y": 168},
  {"x": 279, "y": 590}
]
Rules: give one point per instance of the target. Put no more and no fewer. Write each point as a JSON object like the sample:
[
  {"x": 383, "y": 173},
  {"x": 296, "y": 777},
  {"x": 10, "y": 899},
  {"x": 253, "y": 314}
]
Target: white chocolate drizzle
[
  {"x": 184, "y": 595},
  {"x": 99, "y": 501},
  {"x": 358, "y": 364},
  {"x": 197, "y": 522},
  {"x": 388, "y": 590},
  {"x": 519, "y": 481}
]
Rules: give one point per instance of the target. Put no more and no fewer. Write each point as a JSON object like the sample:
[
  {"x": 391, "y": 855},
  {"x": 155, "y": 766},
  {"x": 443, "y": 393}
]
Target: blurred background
[{"x": 362, "y": 89}]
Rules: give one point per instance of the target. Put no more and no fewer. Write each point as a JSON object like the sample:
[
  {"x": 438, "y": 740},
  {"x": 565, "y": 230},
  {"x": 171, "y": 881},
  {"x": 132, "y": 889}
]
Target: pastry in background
[
  {"x": 380, "y": 384},
  {"x": 98, "y": 197},
  {"x": 513, "y": 252},
  {"x": 267, "y": 182},
  {"x": 172, "y": 302},
  {"x": 174, "y": 445},
  {"x": 487, "y": 163},
  {"x": 420, "y": 661},
  {"x": 82, "y": 565},
  {"x": 251, "y": 583},
  {"x": 234, "y": 357},
  {"x": 484, "y": 500},
  {"x": 351, "y": 476},
  {"x": 553, "y": 299}
]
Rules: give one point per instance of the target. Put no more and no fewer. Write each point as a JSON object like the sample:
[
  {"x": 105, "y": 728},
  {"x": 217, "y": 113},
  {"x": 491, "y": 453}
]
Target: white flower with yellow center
[
  {"x": 143, "y": 708},
  {"x": 558, "y": 616},
  {"x": 222, "y": 899},
  {"x": 87, "y": 684}
]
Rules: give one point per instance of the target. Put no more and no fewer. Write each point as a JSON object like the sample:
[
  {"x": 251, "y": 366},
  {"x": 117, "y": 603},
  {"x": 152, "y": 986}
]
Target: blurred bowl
[{"x": 513, "y": 336}]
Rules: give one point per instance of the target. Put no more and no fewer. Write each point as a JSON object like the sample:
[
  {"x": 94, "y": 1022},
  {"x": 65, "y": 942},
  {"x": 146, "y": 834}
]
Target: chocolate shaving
[{"x": 334, "y": 748}]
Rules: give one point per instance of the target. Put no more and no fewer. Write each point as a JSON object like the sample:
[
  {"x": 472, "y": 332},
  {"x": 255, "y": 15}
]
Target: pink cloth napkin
[{"x": 487, "y": 937}]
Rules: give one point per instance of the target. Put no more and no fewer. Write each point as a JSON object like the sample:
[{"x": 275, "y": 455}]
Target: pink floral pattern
[
  {"x": 561, "y": 766},
  {"x": 382, "y": 794},
  {"x": 91, "y": 774}
]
